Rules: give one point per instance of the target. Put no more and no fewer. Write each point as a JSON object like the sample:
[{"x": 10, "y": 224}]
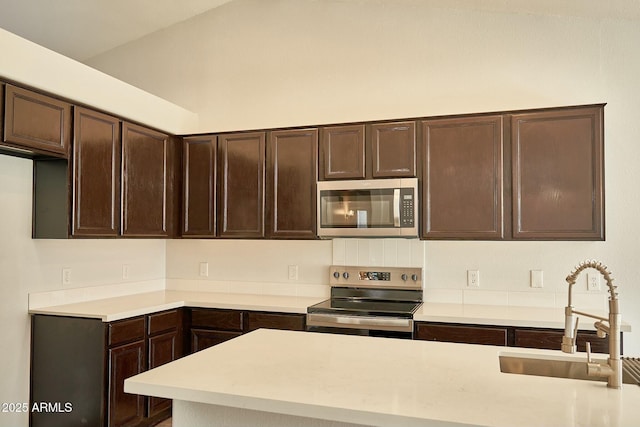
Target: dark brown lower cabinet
[
  {"x": 209, "y": 327},
  {"x": 125, "y": 361},
  {"x": 510, "y": 336},
  {"x": 552, "y": 339},
  {"x": 461, "y": 334},
  {"x": 84, "y": 362}
]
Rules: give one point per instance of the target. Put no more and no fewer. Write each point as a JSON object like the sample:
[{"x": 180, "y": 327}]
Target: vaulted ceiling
[{"x": 81, "y": 29}]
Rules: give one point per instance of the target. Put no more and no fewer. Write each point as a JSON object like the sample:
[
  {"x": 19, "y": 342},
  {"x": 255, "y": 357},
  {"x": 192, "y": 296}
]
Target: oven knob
[
  {"x": 404, "y": 277},
  {"x": 414, "y": 277},
  {"x": 336, "y": 274},
  {"x": 345, "y": 275}
]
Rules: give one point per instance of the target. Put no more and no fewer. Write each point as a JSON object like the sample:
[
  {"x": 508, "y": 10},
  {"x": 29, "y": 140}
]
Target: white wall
[
  {"x": 258, "y": 64},
  {"x": 35, "y": 66},
  {"x": 28, "y": 265}
]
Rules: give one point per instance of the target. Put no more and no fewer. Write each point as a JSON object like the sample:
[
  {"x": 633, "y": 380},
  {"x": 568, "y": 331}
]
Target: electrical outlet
[
  {"x": 125, "y": 271},
  {"x": 204, "y": 269},
  {"x": 66, "y": 276},
  {"x": 593, "y": 281},
  {"x": 293, "y": 272},
  {"x": 536, "y": 279},
  {"x": 473, "y": 278}
]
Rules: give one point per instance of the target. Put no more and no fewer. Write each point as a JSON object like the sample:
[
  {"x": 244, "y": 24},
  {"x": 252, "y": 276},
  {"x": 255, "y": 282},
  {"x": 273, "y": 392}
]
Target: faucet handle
[{"x": 589, "y": 352}]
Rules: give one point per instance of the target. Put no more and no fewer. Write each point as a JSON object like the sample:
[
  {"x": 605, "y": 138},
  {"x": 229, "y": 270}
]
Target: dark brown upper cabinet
[
  {"x": 462, "y": 168},
  {"x": 2, "y": 110},
  {"x": 96, "y": 174},
  {"x": 392, "y": 149},
  {"x": 557, "y": 158},
  {"x": 342, "y": 152},
  {"x": 199, "y": 191},
  {"x": 292, "y": 171},
  {"x": 148, "y": 180},
  {"x": 241, "y": 206},
  {"x": 36, "y": 123}
]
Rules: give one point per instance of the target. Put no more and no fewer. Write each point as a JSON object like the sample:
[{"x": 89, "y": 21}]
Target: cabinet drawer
[
  {"x": 124, "y": 331},
  {"x": 552, "y": 340},
  {"x": 229, "y": 320},
  {"x": 291, "y": 322},
  {"x": 461, "y": 334},
  {"x": 164, "y": 321}
]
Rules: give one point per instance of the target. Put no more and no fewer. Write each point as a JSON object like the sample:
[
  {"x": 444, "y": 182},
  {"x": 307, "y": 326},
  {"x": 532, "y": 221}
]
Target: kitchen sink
[{"x": 572, "y": 367}]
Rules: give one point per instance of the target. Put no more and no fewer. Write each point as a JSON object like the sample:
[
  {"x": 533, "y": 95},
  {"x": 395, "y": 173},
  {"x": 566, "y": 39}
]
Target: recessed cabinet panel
[
  {"x": 124, "y": 362},
  {"x": 342, "y": 152},
  {"x": 199, "y": 196},
  {"x": 163, "y": 349},
  {"x": 38, "y": 122},
  {"x": 292, "y": 179},
  {"x": 241, "y": 160},
  {"x": 96, "y": 174},
  {"x": 145, "y": 180},
  {"x": 462, "y": 178},
  {"x": 557, "y": 174},
  {"x": 2, "y": 100},
  {"x": 393, "y": 149},
  {"x": 461, "y": 334}
]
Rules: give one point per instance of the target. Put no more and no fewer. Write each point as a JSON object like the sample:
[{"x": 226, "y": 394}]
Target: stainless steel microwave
[{"x": 368, "y": 208}]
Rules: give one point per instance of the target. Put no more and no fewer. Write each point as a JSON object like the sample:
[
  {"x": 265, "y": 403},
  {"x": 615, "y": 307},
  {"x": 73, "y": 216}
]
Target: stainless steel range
[{"x": 374, "y": 301}]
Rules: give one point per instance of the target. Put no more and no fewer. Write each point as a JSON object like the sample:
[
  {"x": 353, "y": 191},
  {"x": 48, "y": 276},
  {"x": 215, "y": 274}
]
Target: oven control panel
[{"x": 376, "y": 277}]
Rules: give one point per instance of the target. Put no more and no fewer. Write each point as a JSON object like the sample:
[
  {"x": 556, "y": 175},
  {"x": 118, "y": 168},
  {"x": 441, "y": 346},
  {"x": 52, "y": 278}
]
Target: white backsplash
[{"x": 379, "y": 252}]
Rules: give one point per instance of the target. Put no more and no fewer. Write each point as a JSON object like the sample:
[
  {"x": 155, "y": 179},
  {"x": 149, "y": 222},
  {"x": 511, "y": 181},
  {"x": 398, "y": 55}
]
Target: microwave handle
[{"x": 396, "y": 207}]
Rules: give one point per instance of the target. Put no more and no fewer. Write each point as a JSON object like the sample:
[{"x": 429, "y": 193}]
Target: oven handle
[
  {"x": 360, "y": 322},
  {"x": 396, "y": 207}
]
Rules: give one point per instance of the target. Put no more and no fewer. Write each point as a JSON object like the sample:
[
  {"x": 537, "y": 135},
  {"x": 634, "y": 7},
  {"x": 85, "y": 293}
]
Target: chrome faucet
[{"x": 612, "y": 370}]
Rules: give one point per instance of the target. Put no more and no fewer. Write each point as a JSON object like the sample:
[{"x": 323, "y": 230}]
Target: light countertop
[
  {"x": 110, "y": 309},
  {"x": 383, "y": 382},
  {"x": 502, "y": 315}
]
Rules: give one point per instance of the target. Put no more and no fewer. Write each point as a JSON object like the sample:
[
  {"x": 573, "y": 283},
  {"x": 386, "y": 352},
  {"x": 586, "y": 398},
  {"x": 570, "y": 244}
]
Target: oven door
[
  {"x": 384, "y": 326},
  {"x": 385, "y": 207}
]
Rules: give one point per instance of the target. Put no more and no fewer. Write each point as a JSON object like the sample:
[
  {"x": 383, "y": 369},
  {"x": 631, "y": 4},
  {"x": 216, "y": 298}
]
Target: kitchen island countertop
[{"x": 377, "y": 382}]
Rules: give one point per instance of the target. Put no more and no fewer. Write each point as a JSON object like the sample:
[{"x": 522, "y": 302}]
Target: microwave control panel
[{"x": 407, "y": 207}]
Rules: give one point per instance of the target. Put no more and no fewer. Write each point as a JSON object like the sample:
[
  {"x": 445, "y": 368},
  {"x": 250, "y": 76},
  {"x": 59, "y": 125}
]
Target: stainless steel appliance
[
  {"x": 373, "y": 301},
  {"x": 369, "y": 208}
]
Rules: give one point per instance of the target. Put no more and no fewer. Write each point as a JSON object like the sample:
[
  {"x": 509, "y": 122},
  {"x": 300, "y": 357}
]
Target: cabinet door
[
  {"x": 163, "y": 349},
  {"x": 205, "y": 338},
  {"x": 96, "y": 174},
  {"x": 2, "y": 101},
  {"x": 241, "y": 160},
  {"x": 146, "y": 182},
  {"x": 557, "y": 158},
  {"x": 38, "y": 122},
  {"x": 392, "y": 149},
  {"x": 342, "y": 153},
  {"x": 462, "y": 178},
  {"x": 290, "y": 322},
  {"x": 199, "y": 191},
  {"x": 291, "y": 187},
  {"x": 461, "y": 334},
  {"x": 552, "y": 340},
  {"x": 125, "y": 361}
]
